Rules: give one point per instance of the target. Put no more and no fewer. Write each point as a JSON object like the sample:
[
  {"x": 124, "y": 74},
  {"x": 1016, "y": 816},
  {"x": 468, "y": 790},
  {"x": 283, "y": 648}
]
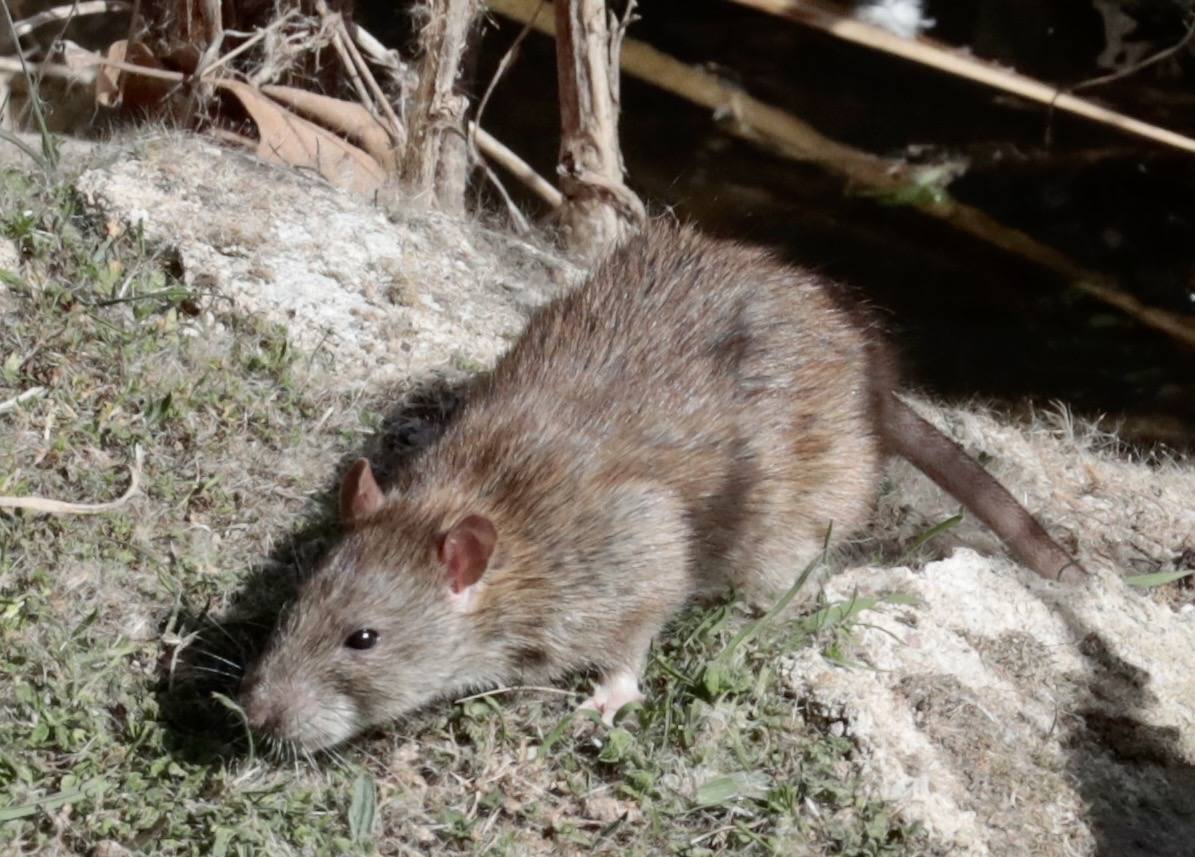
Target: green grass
[{"x": 113, "y": 733}]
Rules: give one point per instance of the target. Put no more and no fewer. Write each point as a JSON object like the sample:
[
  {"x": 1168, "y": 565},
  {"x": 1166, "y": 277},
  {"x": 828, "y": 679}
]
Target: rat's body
[{"x": 694, "y": 416}]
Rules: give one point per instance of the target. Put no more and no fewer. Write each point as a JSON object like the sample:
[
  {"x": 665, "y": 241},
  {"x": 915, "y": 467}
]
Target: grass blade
[
  {"x": 732, "y": 787},
  {"x": 363, "y": 808},
  {"x": 89, "y": 789},
  {"x": 1158, "y": 578},
  {"x": 932, "y": 533}
]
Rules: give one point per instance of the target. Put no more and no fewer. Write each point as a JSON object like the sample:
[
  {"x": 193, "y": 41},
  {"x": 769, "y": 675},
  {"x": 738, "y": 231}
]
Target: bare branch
[
  {"x": 600, "y": 210},
  {"x": 67, "y": 12},
  {"x": 497, "y": 152},
  {"x": 435, "y": 161},
  {"x": 946, "y": 59}
]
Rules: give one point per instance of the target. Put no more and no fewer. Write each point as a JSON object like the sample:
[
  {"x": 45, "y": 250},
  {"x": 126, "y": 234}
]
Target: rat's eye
[{"x": 366, "y": 638}]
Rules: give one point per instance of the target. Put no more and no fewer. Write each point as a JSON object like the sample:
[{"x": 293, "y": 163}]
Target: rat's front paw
[{"x": 615, "y": 690}]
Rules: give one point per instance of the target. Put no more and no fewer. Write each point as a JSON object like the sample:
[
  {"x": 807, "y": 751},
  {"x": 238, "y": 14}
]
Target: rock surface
[
  {"x": 1012, "y": 716},
  {"x": 386, "y": 294}
]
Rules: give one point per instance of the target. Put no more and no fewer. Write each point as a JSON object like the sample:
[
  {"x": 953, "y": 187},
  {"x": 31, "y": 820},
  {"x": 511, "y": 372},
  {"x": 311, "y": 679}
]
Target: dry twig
[
  {"x": 62, "y": 507},
  {"x": 66, "y": 13},
  {"x": 503, "y": 64},
  {"x": 9, "y": 65},
  {"x": 336, "y": 27},
  {"x": 519, "y": 221},
  {"x": 1154, "y": 59},
  {"x": 936, "y": 55},
  {"x": 20, "y": 398},
  {"x": 497, "y": 152},
  {"x": 397, "y": 134},
  {"x": 278, "y": 23},
  {"x": 379, "y": 54},
  {"x": 77, "y": 56}
]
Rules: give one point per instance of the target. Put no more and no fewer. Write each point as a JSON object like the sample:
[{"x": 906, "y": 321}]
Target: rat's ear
[
  {"x": 465, "y": 552},
  {"x": 360, "y": 495}
]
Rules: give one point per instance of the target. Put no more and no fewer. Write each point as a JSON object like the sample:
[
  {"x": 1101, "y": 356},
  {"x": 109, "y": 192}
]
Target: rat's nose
[{"x": 263, "y": 714}]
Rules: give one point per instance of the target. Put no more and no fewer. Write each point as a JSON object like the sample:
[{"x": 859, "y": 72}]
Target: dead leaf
[
  {"x": 115, "y": 88},
  {"x": 185, "y": 58},
  {"x": 346, "y": 117},
  {"x": 107, "y": 78},
  {"x": 291, "y": 140}
]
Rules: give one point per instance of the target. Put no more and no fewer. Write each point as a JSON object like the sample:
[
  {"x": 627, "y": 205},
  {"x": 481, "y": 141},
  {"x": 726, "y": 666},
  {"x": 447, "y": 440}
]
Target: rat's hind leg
[
  {"x": 787, "y": 534},
  {"x": 774, "y": 560},
  {"x": 820, "y": 482}
]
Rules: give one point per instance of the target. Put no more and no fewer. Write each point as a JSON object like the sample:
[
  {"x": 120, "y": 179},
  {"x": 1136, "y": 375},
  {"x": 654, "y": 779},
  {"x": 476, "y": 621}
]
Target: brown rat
[{"x": 695, "y": 416}]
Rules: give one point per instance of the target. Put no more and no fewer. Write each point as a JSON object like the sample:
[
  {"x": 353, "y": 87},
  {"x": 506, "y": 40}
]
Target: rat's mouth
[
  {"x": 334, "y": 720},
  {"x": 300, "y": 717}
]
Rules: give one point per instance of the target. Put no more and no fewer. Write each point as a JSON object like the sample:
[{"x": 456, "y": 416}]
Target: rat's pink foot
[{"x": 615, "y": 690}]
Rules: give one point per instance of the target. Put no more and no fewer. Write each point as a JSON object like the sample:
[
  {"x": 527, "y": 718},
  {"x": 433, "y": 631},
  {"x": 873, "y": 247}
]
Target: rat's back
[
  {"x": 675, "y": 317},
  {"x": 739, "y": 383}
]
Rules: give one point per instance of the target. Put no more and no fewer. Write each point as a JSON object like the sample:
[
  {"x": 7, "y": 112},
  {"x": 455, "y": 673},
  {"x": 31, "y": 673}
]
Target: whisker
[
  {"x": 330, "y": 756},
  {"x": 238, "y": 667},
  {"x": 360, "y": 749},
  {"x": 219, "y": 627},
  {"x": 223, "y": 673},
  {"x": 341, "y": 761}
]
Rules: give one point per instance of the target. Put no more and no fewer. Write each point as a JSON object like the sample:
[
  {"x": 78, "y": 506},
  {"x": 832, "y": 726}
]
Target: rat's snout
[
  {"x": 267, "y": 706},
  {"x": 263, "y": 717},
  {"x": 263, "y": 711},
  {"x": 297, "y": 711}
]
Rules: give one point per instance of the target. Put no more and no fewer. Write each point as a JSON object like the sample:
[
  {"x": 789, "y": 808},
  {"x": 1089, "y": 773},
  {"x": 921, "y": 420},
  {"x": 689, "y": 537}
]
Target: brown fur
[{"x": 695, "y": 416}]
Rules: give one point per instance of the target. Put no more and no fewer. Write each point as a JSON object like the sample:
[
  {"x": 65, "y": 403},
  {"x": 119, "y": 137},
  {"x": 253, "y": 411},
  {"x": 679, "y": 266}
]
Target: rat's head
[{"x": 382, "y": 628}]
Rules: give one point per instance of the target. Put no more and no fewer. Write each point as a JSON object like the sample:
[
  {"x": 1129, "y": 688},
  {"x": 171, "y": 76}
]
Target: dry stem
[
  {"x": 397, "y": 134},
  {"x": 61, "y": 507},
  {"x": 929, "y": 53},
  {"x": 9, "y": 65},
  {"x": 435, "y": 161},
  {"x": 68, "y": 12},
  {"x": 335, "y": 27},
  {"x": 497, "y": 152},
  {"x": 1153, "y": 59},
  {"x": 600, "y": 210}
]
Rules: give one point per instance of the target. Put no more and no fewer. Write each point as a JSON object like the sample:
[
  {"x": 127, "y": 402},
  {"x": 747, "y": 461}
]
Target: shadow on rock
[{"x": 1134, "y": 777}]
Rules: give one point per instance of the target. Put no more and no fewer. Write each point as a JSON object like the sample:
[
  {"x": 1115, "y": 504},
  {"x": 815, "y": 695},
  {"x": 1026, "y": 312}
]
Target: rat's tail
[{"x": 945, "y": 462}]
